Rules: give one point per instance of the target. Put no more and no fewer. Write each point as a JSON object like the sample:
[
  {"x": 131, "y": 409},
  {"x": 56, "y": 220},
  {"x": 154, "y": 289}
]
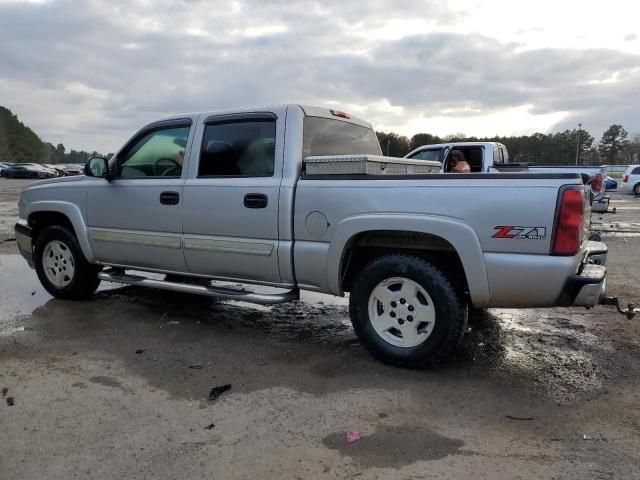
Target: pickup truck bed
[{"x": 353, "y": 204}]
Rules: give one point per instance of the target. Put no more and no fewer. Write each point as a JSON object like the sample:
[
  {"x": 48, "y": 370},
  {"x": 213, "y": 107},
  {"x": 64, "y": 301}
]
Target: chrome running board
[{"x": 119, "y": 276}]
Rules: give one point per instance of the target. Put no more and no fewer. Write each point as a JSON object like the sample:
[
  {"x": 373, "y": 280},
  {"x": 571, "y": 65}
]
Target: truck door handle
[
  {"x": 256, "y": 200},
  {"x": 169, "y": 198}
]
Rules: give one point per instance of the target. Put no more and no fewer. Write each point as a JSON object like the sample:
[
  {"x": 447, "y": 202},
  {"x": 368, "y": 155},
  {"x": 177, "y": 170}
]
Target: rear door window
[{"x": 238, "y": 148}]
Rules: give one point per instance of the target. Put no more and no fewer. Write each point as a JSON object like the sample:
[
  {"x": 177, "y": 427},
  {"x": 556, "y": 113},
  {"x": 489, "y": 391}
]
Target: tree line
[
  {"x": 615, "y": 146},
  {"x": 20, "y": 144},
  {"x": 59, "y": 154}
]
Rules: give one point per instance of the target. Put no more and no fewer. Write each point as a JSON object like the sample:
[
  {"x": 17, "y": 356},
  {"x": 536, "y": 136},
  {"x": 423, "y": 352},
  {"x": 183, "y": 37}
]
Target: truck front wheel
[
  {"x": 406, "y": 311},
  {"x": 61, "y": 266}
]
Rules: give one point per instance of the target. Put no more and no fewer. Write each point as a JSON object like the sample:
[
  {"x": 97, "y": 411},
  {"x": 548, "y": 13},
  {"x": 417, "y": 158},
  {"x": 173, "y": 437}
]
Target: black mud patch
[
  {"x": 396, "y": 446},
  {"x": 560, "y": 354},
  {"x": 107, "y": 382}
]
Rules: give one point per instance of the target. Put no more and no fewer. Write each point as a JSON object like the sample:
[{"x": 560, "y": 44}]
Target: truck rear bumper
[
  {"x": 586, "y": 288},
  {"x": 24, "y": 241},
  {"x": 597, "y": 253},
  {"x": 536, "y": 281},
  {"x": 590, "y": 284},
  {"x": 600, "y": 204}
]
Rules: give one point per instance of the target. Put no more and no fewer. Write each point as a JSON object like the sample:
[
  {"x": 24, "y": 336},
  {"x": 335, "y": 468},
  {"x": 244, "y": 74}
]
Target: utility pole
[
  {"x": 388, "y": 145},
  {"x": 579, "y": 143}
]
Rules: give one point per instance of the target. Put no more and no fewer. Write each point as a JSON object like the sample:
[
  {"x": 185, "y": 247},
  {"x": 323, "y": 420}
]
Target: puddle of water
[
  {"x": 20, "y": 290},
  {"x": 396, "y": 446},
  {"x": 316, "y": 318}
]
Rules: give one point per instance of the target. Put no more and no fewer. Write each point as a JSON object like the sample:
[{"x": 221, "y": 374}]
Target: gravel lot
[{"x": 117, "y": 387}]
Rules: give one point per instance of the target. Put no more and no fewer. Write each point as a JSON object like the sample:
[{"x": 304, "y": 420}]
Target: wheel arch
[
  {"x": 439, "y": 239},
  {"x": 43, "y": 214}
]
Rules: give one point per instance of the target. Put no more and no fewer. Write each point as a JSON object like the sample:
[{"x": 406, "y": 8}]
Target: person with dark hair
[{"x": 458, "y": 163}]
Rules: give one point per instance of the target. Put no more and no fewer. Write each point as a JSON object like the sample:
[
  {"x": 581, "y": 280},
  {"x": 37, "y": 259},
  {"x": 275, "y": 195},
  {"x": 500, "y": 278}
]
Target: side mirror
[{"x": 98, "y": 167}]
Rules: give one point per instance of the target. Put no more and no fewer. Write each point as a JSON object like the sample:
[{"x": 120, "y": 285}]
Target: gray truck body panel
[{"x": 300, "y": 239}]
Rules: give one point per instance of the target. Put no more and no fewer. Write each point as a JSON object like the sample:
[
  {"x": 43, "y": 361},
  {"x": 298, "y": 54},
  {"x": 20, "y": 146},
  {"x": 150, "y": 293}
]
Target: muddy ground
[{"x": 117, "y": 387}]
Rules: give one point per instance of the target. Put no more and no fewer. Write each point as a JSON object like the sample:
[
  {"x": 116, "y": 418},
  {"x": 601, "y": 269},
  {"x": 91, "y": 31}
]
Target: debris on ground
[
  {"x": 512, "y": 417},
  {"x": 10, "y": 401},
  {"x": 210, "y": 426},
  {"x": 351, "y": 437},
  {"x": 173, "y": 322},
  {"x": 219, "y": 390},
  {"x": 196, "y": 366},
  {"x": 140, "y": 350},
  {"x": 5, "y": 390}
]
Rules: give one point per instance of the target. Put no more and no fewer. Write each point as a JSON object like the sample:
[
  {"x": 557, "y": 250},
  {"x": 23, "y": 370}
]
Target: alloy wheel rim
[
  {"x": 401, "y": 312},
  {"x": 58, "y": 263}
]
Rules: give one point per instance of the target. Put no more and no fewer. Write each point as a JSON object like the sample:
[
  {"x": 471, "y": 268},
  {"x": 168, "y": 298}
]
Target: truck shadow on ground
[{"x": 183, "y": 341}]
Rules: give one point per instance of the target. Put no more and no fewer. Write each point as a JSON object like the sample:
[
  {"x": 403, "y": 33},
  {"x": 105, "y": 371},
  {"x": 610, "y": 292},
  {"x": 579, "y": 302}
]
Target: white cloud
[
  {"x": 260, "y": 31},
  {"x": 88, "y": 73},
  {"x": 520, "y": 119}
]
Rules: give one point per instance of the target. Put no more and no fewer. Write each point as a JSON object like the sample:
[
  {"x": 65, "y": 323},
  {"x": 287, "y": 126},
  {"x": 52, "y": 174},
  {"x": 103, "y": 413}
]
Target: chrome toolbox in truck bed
[{"x": 367, "y": 165}]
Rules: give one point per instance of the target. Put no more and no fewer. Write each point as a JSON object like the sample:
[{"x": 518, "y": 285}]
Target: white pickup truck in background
[{"x": 493, "y": 157}]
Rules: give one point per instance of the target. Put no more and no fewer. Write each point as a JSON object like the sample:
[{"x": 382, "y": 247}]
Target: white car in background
[{"x": 631, "y": 180}]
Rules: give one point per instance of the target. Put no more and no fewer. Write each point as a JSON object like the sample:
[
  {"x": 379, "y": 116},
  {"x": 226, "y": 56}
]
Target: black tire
[
  {"x": 636, "y": 188},
  {"x": 450, "y": 311},
  {"x": 84, "y": 280}
]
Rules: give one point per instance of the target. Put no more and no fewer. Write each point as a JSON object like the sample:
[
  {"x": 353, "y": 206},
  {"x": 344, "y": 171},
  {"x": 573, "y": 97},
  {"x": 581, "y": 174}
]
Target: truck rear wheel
[
  {"x": 61, "y": 266},
  {"x": 406, "y": 311}
]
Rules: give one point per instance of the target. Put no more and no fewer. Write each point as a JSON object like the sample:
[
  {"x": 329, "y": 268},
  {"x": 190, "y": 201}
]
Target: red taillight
[
  {"x": 338, "y": 113},
  {"x": 569, "y": 224},
  {"x": 596, "y": 185},
  {"x": 625, "y": 178}
]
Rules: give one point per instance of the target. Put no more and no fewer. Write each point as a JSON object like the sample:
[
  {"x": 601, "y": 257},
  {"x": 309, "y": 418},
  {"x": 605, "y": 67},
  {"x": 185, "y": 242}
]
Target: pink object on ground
[{"x": 352, "y": 437}]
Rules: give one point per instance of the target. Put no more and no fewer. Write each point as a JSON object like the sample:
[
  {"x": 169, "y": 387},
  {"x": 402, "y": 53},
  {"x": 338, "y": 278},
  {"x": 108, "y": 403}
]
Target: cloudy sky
[{"x": 88, "y": 73}]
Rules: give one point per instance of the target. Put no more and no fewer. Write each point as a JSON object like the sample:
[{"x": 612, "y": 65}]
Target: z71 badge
[{"x": 529, "y": 233}]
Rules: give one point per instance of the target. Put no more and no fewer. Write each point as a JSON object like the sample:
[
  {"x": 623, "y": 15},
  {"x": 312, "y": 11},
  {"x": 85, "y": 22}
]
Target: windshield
[
  {"x": 325, "y": 136},
  {"x": 433, "y": 155}
]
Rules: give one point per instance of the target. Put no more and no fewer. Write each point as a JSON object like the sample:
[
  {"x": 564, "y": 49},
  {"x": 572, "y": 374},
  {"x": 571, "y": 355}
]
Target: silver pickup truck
[{"x": 299, "y": 198}]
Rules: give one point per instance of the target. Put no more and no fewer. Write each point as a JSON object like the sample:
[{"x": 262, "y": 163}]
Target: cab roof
[{"x": 308, "y": 110}]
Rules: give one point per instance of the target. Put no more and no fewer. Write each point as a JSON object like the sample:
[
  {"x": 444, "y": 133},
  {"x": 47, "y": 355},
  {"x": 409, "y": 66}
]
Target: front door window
[{"x": 159, "y": 153}]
